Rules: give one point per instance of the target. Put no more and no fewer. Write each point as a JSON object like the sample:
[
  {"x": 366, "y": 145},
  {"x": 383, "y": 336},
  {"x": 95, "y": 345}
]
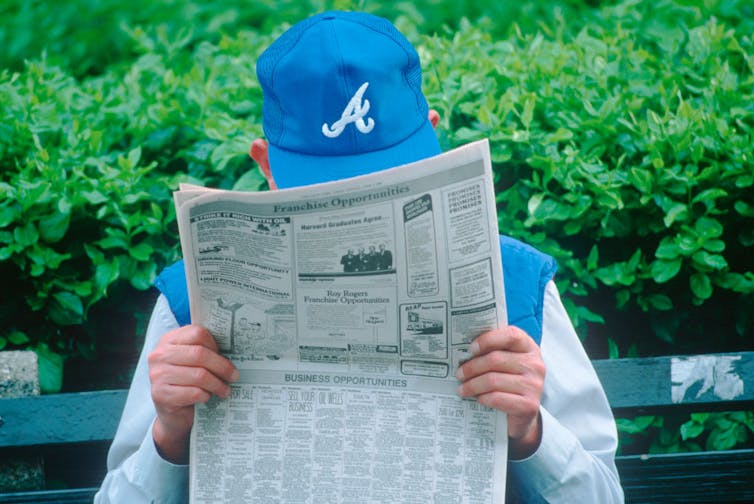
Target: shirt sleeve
[
  {"x": 575, "y": 461},
  {"x": 136, "y": 472}
]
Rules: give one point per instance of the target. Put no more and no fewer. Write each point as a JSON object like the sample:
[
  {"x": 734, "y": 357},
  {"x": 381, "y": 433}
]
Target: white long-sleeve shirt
[{"x": 574, "y": 462}]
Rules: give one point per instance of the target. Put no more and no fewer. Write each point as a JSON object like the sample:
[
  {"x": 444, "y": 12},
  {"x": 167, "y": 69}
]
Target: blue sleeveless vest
[{"x": 526, "y": 272}]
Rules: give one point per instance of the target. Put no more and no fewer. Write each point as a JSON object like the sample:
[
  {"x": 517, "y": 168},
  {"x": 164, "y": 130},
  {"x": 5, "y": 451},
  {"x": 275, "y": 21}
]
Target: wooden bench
[
  {"x": 74, "y": 430},
  {"x": 72, "y": 433},
  {"x": 653, "y": 385}
]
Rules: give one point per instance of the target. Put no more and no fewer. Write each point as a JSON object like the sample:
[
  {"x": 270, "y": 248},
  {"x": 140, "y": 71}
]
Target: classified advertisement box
[{"x": 347, "y": 307}]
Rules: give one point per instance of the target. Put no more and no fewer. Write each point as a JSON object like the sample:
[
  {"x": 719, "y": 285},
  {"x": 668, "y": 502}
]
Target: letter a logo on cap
[{"x": 353, "y": 113}]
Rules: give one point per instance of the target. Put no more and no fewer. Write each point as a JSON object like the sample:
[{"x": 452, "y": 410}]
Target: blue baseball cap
[{"x": 342, "y": 97}]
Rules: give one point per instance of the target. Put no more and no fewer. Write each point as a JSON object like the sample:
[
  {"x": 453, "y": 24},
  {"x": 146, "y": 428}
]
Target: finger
[
  {"x": 493, "y": 382},
  {"x": 192, "y": 346},
  {"x": 512, "y": 404},
  {"x": 191, "y": 335},
  {"x": 174, "y": 397},
  {"x": 509, "y": 338},
  {"x": 495, "y": 362},
  {"x": 193, "y": 377},
  {"x": 200, "y": 357}
]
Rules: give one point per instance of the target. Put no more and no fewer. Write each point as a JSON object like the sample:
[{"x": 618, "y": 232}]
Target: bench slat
[
  {"x": 78, "y": 496},
  {"x": 688, "y": 477},
  {"x": 678, "y": 380},
  {"x": 60, "y": 418}
]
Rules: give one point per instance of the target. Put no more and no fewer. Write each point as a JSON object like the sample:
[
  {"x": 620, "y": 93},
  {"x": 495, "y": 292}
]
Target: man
[
  {"x": 371, "y": 261},
  {"x": 384, "y": 258},
  {"x": 342, "y": 97},
  {"x": 349, "y": 261},
  {"x": 361, "y": 256}
]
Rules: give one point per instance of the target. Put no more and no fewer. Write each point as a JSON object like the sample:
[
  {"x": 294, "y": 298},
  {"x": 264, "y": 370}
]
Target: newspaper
[{"x": 347, "y": 308}]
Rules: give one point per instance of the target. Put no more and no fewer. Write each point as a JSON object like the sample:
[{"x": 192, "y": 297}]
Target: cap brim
[{"x": 293, "y": 169}]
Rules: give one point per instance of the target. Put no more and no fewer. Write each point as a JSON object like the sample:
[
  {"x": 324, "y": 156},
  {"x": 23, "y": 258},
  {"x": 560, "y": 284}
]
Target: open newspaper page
[{"x": 347, "y": 307}]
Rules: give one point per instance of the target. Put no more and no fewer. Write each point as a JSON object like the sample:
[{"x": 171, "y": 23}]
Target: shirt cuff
[
  {"x": 164, "y": 481},
  {"x": 543, "y": 470}
]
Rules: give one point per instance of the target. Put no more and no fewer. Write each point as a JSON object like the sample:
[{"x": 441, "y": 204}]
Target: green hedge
[
  {"x": 621, "y": 136},
  {"x": 626, "y": 152}
]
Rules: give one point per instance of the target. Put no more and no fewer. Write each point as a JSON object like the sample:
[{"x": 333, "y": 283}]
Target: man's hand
[
  {"x": 185, "y": 368},
  {"x": 506, "y": 372}
]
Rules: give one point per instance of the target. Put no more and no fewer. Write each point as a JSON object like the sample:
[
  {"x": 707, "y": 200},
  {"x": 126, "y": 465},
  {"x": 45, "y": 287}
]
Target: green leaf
[
  {"x": 675, "y": 212},
  {"x": 687, "y": 243},
  {"x": 96, "y": 255},
  {"x": 744, "y": 208},
  {"x": 141, "y": 252},
  {"x": 66, "y": 308},
  {"x": 660, "y": 302},
  {"x": 560, "y": 135},
  {"x": 707, "y": 227},
  {"x": 82, "y": 289},
  {"x": 534, "y": 202},
  {"x": 700, "y": 285},
  {"x": 251, "y": 180},
  {"x": 584, "y": 313},
  {"x": 713, "y": 261},
  {"x": 93, "y": 197},
  {"x": 746, "y": 418},
  {"x": 714, "y": 245},
  {"x": 134, "y": 156},
  {"x": 64, "y": 206},
  {"x": 36, "y": 270},
  {"x": 589, "y": 108},
  {"x": 667, "y": 249},
  {"x": 143, "y": 275},
  {"x": 616, "y": 273},
  {"x": 737, "y": 282},
  {"x": 699, "y": 417},
  {"x": 725, "y": 438},
  {"x": 26, "y": 235},
  {"x": 464, "y": 135},
  {"x": 622, "y": 297},
  {"x": 157, "y": 212},
  {"x": 135, "y": 197},
  {"x": 18, "y": 337},
  {"x": 105, "y": 275},
  {"x": 528, "y": 113},
  {"x": 8, "y": 214},
  {"x": 633, "y": 261},
  {"x": 633, "y": 351},
  {"x": 744, "y": 181},
  {"x": 709, "y": 196},
  {"x": 641, "y": 179},
  {"x": 53, "y": 227},
  {"x": 612, "y": 349},
  {"x": 662, "y": 271},
  {"x": 593, "y": 258},
  {"x": 572, "y": 227},
  {"x": 50, "y": 370},
  {"x": 691, "y": 430},
  {"x": 520, "y": 136},
  {"x": 746, "y": 237},
  {"x": 635, "y": 426},
  {"x": 113, "y": 241}
]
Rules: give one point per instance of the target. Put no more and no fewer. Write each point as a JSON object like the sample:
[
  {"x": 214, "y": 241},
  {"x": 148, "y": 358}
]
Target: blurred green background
[{"x": 621, "y": 135}]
